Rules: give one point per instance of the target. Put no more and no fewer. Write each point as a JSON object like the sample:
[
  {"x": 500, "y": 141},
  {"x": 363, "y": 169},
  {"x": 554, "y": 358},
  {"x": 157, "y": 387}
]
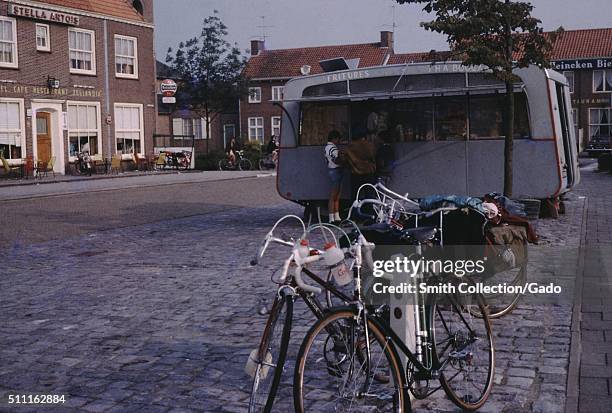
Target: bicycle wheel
[
  {"x": 244, "y": 164},
  {"x": 334, "y": 373},
  {"x": 223, "y": 165},
  {"x": 271, "y": 356},
  {"x": 262, "y": 165},
  {"x": 498, "y": 305},
  {"x": 463, "y": 349}
]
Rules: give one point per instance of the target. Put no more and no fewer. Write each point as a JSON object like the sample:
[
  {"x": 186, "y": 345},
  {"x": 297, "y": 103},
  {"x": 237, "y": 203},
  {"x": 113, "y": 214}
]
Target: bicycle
[
  {"x": 268, "y": 161},
  {"x": 241, "y": 163},
  {"x": 446, "y": 346},
  {"x": 392, "y": 208},
  {"x": 266, "y": 363},
  {"x": 83, "y": 164}
]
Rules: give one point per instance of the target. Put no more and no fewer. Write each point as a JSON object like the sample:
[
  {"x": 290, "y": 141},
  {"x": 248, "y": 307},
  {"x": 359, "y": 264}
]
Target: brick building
[
  {"x": 76, "y": 74},
  {"x": 176, "y": 122},
  {"x": 269, "y": 70},
  {"x": 583, "y": 56}
]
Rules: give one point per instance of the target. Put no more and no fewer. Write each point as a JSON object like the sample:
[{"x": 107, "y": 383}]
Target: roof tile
[{"x": 287, "y": 62}]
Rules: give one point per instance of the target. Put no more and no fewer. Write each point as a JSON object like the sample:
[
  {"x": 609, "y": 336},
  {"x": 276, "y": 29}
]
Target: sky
[{"x": 303, "y": 23}]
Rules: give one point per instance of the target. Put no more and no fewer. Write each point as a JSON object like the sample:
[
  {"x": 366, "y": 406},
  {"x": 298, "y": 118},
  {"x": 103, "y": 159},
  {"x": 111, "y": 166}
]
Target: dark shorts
[{"x": 335, "y": 176}]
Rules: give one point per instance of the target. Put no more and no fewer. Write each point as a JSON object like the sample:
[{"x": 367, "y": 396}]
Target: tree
[
  {"x": 499, "y": 34},
  {"x": 210, "y": 70}
]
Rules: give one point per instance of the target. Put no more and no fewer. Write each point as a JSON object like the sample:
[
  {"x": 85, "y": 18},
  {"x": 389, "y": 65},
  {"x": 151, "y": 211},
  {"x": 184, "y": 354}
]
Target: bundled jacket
[{"x": 361, "y": 156}]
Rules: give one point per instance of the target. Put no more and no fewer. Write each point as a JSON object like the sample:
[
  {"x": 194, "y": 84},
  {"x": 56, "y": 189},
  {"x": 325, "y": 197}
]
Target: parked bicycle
[
  {"x": 241, "y": 163},
  {"x": 368, "y": 367},
  {"x": 267, "y": 162},
  {"x": 505, "y": 264},
  {"x": 177, "y": 160},
  {"x": 83, "y": 164},
  {"x": 349, "y": 360},
  {"x": 266, "y": 363}
]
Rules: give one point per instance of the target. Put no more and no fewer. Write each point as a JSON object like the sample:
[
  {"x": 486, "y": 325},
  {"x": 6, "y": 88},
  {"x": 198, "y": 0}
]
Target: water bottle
[
  {"x": 303, "y": 249},
  {"x": 334, "y": 260}
]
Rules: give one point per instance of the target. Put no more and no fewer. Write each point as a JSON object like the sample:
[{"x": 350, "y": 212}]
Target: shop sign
[
  {"x": 574, "y": 64},
  {"x": 601, "y": 100},
  {"x": 168, "y": 87},
  {"x": 42, "y": 14},
  {"x": 44, "y": 90}
]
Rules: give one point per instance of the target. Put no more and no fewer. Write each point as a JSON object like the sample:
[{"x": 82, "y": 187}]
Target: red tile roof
[
  {"x": 583, "y": 44},
  {"x": 116, "y": 8},
  {"x": 286, "y": 63},
  {"x": 401, "y": 58}
]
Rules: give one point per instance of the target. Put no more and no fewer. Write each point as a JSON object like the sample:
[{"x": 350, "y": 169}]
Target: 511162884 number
[{"x": 36, "y": 398}]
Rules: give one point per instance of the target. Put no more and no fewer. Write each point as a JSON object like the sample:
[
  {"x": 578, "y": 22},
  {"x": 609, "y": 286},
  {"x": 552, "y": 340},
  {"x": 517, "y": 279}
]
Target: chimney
[
  {"x": 386, "y": 39},
  {"x": 257, "y": 46}
]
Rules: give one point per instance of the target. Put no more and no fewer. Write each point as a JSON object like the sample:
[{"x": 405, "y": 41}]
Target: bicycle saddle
[{"x": 420, "y": 234}]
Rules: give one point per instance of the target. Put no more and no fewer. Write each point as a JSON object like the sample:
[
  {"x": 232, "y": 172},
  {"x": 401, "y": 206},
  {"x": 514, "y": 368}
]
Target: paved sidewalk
[
  {"x": 138, "y": 321},
  {"x": 595, "y": 366},
  {"x": 70, "y": 185}
]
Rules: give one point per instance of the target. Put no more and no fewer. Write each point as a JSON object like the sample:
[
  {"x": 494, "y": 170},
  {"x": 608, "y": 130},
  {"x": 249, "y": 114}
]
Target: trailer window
[
  {"x": 414, "y": 120},
  {"x": 451, "y": 118},
  {"x": 487, "y": 113},
  {"x": 317, "y": 119}
]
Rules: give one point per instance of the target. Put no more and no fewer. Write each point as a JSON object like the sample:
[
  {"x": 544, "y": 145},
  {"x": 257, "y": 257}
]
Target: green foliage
[
  {"x": 252, "y": 151},
  {"x": 499, "y": 34},
  {"x": 210, "y": 70},
  {"x": 210, "y": 161}
]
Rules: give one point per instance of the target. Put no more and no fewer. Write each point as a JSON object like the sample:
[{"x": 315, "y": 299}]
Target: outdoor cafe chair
[
  {"x": 160, "y": 162},
  {"x": 116, "y": 164},
  {"x": 43, "y": 168},
  {"x": 11, "y": 171}
]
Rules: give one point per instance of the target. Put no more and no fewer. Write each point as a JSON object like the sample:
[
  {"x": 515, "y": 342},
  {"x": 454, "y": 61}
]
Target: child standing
[{"x": 334, "y": 171}]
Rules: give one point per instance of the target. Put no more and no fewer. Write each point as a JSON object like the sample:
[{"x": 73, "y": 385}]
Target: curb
[
  {"x": 25, "y": 197},
  {"x": 92, "y": 178},
  {"x": 572, "y": 389}
]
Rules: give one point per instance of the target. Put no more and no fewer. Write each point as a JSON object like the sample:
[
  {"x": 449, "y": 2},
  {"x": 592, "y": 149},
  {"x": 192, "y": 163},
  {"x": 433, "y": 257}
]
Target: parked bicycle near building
[{"x": 83, "y": 164}]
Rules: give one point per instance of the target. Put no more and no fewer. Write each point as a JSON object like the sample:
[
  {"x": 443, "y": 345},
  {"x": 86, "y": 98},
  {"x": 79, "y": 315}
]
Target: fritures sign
[{"x": 42, "y": 14}]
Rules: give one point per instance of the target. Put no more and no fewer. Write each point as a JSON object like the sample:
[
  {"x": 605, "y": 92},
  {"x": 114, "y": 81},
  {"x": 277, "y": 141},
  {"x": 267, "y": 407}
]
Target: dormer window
[{"x": 137, "y": 4}]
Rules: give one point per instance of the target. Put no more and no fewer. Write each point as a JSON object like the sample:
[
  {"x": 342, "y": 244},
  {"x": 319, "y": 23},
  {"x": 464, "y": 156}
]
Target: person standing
[
  {"x": 334, "y": 171},
  {"x": 361, "y": 155}
]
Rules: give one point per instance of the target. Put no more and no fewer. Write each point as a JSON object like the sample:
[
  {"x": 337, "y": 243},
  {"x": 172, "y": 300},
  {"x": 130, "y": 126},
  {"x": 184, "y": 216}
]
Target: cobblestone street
[{"x": 147, "y": 319}]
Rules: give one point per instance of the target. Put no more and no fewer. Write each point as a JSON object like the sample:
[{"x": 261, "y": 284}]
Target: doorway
[{"x": 43, "y": 137}]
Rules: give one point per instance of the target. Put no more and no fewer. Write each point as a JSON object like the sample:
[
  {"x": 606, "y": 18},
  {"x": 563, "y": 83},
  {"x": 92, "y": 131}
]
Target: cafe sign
[{"x": 42, "y": 14}]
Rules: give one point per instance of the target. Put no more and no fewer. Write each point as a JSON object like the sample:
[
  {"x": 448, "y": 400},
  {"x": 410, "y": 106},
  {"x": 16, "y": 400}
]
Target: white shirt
[{"x": 331, "y": 154}]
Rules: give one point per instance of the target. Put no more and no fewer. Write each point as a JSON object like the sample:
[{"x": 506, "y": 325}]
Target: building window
[
  {"x": 129, "y": 131},
  {"x": 43, "y": 43},
  {"x": 11, "y": 128},
  {"x": 126, "y": 57},
  {"x": 81, "y": 44},
  {"x": 256, "y": 129},
  {"x": 254, "y": 95},
  {"x": 276, "y": 126},
  {"x": 600, "y": 125},
  {"x": 570, "y": 80},
  {"x": 187, "y": 127},
  {"x": 8, "y": 42},
  {"x": 83, "y": 128},
  {"x": 277, "y": 93},
  {"x": 602, "y": 81}
]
